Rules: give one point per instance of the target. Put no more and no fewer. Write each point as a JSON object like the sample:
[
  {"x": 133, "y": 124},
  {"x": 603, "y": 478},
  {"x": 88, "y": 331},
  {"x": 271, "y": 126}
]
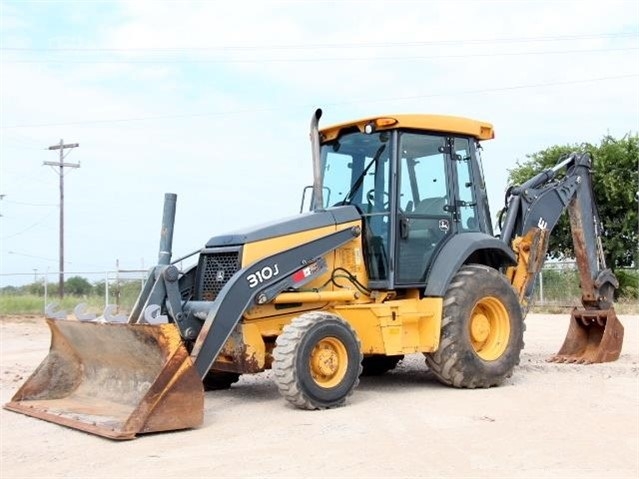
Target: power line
[
  {"x": 92, "y": 265},
  {"x": 33, "y": 177},
  {"x": 340, "y": 45},
  {"x": 25, "y": 143},
  {"x": 30, "y": 227},
  {"x": 492, "y": 90},
  {"x": 20, "y": 147},
  {"x": 32, "y": 256},
  {"x": 267, "y": 110},
  {"x": 28, "y": 204},
  {"x": 326, "y": 59}
]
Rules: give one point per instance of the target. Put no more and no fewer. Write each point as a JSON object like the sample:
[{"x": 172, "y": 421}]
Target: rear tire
[
  {"x": 317, "y": 361},
  {"x": 482, "y": 330}
]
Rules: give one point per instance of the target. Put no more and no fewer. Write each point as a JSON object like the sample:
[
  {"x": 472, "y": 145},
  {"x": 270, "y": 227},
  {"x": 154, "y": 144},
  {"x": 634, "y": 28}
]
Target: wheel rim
[
  {"x": 328, "y": 362},
  {"x": 489, "y": 328}
]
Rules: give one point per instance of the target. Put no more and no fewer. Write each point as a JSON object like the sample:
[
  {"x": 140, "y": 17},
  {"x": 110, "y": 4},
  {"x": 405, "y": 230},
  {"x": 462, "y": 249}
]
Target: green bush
[
  {"x": 29, "y": 299},
  {"x": 560, "y": 285},
  {"x": 628, "y": 284},
  {"x": 33, "y": 304}
]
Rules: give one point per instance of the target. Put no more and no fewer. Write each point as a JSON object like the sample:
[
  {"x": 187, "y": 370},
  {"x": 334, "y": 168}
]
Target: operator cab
[{"x": 415, "y": 185}]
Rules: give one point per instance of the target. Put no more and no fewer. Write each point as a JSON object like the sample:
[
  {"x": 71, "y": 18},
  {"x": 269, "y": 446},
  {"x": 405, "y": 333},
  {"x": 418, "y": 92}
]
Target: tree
[
  {"x": 78, "y": 286},
  {"x": 616, "y": 187},
  {"x": 36, "y": 288},
  {"x": 99, "y": 287}
]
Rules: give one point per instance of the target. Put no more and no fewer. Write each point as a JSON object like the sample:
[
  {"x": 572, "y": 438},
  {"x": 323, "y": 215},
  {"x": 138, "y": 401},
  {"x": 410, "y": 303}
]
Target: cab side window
[{"x": 466, "y": 202}]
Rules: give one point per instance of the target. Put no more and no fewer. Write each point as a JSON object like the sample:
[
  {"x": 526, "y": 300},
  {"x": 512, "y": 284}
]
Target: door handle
[{"x": 404, "y": 227}]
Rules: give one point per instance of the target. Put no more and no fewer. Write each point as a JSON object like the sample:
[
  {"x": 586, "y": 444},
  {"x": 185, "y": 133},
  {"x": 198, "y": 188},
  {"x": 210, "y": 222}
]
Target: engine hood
[{"x": 286, "y": 226}]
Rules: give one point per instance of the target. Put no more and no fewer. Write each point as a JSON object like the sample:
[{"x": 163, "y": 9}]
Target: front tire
[
  {"x": 317, "y": 361},
  {"x": 482, "y": 330}
]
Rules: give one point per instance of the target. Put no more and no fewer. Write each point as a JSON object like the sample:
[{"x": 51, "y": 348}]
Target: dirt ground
[{"x": 548, "y": 420}]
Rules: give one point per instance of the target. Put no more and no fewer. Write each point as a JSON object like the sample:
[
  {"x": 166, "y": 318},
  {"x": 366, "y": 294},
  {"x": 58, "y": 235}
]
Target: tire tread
[
  {"x": 450, "y": 363},
  {"x": 284, "y": 358}
]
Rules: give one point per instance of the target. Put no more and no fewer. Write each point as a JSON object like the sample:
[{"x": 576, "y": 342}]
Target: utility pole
[{"x": 61, "y": 165}]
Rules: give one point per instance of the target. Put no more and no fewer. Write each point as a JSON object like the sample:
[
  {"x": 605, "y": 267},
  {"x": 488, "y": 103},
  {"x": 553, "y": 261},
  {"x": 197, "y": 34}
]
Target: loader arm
[
  {"x": 117, "y": 380},
  {"x": 247, "y": 287},
  {"x": 241, "y": 292},
  {"x": 532, "y": 211}
]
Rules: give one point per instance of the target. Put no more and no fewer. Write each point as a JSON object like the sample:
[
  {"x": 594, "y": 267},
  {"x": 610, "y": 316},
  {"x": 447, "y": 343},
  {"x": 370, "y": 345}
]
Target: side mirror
[
  {"x": 307, "y": 201},
  {"x": 305, "y": 205}
]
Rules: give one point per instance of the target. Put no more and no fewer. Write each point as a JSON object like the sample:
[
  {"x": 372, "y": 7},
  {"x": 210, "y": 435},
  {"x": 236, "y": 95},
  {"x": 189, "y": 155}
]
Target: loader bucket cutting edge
[
  {"x": 114, "y": 380},
  {"x": 594, "y": 336}
]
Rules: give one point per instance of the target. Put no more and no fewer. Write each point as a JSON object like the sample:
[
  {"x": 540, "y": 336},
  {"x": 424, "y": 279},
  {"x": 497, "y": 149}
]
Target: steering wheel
[{"x": 370, "y": 198}]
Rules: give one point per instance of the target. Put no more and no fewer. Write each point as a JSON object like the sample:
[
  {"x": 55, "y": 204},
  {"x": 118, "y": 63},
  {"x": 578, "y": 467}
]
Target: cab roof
[{"x": 436, "y": 123}]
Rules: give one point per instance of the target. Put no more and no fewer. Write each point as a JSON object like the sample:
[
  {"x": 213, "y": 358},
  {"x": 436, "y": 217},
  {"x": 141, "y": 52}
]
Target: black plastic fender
[{"x": 456, "y": 252}]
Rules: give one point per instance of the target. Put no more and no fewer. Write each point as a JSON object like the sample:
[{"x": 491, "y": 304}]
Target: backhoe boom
[{"x": 532, "y": 212}]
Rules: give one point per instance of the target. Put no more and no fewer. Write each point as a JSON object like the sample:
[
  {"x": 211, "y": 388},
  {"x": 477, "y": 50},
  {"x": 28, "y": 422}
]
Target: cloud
[{"x": 231, "y": 86}]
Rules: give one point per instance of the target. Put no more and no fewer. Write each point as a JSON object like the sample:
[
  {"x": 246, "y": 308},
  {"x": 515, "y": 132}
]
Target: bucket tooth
[
  {"x": 81, "y": 313},
  {"x": 51, "y": 311},
  {"x": 152, "y": 315},
  {"x": 109, "y": 315},
  {"x": 594, "y": 336}
]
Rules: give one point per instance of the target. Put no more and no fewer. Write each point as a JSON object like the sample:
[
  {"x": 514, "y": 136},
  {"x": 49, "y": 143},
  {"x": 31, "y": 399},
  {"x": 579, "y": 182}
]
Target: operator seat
[{"x": 424, "y": 234}]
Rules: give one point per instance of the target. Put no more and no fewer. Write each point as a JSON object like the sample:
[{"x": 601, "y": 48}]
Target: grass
[
  {"x": 34, "y": 304},
  {"x": 622, "y": 306}
]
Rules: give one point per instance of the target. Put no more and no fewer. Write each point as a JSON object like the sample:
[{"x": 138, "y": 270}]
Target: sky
[{"x": 212, "y": 100}]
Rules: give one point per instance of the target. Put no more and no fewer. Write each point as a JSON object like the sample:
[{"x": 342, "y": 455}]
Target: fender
[{"x": 456, "y": 252}]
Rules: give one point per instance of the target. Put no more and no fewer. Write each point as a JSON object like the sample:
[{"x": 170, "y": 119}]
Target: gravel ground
[{"x": 548, "y": 420}]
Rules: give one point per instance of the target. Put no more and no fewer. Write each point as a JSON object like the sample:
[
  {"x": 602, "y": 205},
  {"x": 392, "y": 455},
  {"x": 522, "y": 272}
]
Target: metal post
[
  {"x": 61, "y": 228},
  {"x": 61, "y": 165},
  {"x": 318, "y": 198},
  {"x": 106, "y": 289},
  {"x": 46, "y": 285},
  {"x": 117, "y": 285},
  {"x": 166, "y": 235}
]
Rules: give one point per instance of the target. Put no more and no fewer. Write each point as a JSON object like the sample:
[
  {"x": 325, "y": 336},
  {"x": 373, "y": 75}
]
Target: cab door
[{"x": 425, "y": 207}]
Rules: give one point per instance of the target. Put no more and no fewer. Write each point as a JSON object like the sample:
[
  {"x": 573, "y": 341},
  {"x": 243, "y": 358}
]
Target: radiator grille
[{"x": 215, "y": 270}]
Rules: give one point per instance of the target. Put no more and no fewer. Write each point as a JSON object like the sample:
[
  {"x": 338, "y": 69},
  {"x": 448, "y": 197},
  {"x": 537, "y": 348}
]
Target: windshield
[{"x": 355, "y": 170}]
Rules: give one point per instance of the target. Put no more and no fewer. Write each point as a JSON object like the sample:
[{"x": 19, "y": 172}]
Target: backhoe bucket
[
  {"x": 114, "y": 380},
  {"x": 594, "y": 336}
]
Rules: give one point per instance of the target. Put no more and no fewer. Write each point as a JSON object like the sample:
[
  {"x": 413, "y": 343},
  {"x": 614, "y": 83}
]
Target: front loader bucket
[
  {"x": 594, "y": 336},
  {"x": 114, "y": 380}
]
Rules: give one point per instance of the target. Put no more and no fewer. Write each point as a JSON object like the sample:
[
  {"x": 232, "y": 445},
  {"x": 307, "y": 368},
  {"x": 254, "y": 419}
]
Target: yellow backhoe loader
[{"x": 396, "y": 255}]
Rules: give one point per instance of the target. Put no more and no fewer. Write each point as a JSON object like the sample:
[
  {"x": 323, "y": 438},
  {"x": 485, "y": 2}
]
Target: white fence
[
  {"x": 557, "y": 284},
  {"x": 115, "y": 287}
]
